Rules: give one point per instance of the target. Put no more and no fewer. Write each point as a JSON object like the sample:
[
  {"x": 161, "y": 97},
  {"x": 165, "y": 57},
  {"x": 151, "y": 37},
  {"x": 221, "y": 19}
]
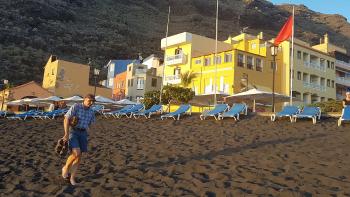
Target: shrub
[{"x": 329, "y": 106}]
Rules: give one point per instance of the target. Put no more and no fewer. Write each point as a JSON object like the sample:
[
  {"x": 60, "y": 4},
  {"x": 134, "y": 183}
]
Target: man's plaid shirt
[{"x": 85, "y": 116}]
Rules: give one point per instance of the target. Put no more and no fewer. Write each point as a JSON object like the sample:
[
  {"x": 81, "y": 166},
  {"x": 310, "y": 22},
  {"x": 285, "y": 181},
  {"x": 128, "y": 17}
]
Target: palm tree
[{"x": 187, "y": 78}]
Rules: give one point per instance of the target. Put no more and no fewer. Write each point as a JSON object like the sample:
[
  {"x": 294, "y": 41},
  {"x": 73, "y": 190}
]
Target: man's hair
[{"x": 90, "y": 96}]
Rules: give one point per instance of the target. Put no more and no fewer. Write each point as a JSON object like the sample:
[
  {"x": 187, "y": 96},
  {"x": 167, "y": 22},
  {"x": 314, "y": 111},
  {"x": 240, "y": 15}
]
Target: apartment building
[
  {"x": 65, "y": 79},
  {"x": 342, "y": 65},
  {"x": 119, "y": 87},
  {"x": 115, "y": 67},
  {"x": 141, "y": 79}
]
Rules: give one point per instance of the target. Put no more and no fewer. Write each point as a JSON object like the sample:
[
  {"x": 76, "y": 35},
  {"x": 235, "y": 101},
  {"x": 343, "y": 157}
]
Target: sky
[{"x": 341, "y": 7}]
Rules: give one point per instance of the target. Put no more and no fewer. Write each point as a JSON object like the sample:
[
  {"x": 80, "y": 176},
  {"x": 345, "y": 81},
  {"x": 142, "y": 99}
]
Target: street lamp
[
  {"x": 3, "y": 93},
  {"x": 96, "y": 73},
  {"x": 273, "y": 53}
]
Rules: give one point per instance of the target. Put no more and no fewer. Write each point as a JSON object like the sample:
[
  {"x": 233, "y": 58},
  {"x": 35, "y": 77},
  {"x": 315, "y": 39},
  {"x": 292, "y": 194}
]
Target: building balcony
[
  {"x": 317, "y": 66},
  {"x": 140, "y": 71},
  {"x": 343, "y": 81},
  {"x": 343, "y": 65},
  {"x": 176, "y": 59},
  {"x": 314, "y": 86},
  {"x": 173, "y": 79}
]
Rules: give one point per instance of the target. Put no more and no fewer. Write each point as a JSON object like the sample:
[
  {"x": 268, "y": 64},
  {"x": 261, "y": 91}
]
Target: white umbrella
[
  {"x": 125, "y": 102},
  {"x": 16, "y": 102},
  {"x": 255, "y": 94},
  {"x": 73, "y": 99},
  {"x": 101, "y": 99},
  {"x": 50, "y": 99}
]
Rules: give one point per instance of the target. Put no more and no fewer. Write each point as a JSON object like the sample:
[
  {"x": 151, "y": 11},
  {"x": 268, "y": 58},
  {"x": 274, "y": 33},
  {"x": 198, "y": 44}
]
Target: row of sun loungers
[{"x": 219, "y": 112}]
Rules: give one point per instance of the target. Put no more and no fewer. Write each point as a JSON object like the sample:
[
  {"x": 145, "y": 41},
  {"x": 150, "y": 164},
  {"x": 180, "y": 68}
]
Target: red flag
[{"x": 286, "y": 31}]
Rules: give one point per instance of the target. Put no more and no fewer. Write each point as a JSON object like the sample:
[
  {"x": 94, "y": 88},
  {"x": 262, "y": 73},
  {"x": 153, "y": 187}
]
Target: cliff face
[{"x": 75, "y": 30}]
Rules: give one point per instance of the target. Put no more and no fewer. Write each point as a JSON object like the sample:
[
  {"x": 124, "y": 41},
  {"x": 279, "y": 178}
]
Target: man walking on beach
[{"x": 77, "y": 135}]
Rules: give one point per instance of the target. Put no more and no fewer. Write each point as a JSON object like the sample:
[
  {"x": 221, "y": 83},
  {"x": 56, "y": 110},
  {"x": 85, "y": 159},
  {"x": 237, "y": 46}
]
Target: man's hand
[{"x": 65, "y": 137}]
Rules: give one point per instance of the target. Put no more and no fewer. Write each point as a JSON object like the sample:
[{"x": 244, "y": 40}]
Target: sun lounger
[
  {"x": 309, "y": 112},
  {"x": 51, "y": 114},
  {"x": 3, "y": 113},
  {"x": 147, "y": 113},
  {"x": 219, "y": 109},
  {"x": 176, "y": 114},
  {"x": 128, "y": 113},
  {"x": 287, "y": 111},
  {"x": 235, "y": 111},
  {"x": 98, "y": 108},
  {"x": 25, "y": 115},
  {"x": 345, "y": 115},
  {"x": 112, "y": 113}
]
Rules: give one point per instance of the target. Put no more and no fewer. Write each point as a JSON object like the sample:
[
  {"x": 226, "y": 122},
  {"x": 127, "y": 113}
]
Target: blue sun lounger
[
  {"x": 287, "y": 111},
  {"x": 176, "y": 114},
  {"x": 129, "y": 112},
  {"x": 235, "y": 111},
  {"x": 345, "y": 115},
  {"x": 147, "y": 113},
  {"x": 219, "y": 109},
  {"x": 112, "y": 113},
  {"x": 25, "y": 115},
  {"x": 309, "y": 112}
]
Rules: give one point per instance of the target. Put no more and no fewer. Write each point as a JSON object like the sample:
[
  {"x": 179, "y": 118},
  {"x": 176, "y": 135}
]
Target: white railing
[
  {"x": 343, "y": 64},
  {"x": 173, "y": 79},
  {"x": 343, "y": 80},
  {"x": 317, "y": 66},
  {"x": 140, "y": 71},
  {"x": 176, "y": 59},
  {"x": 314, "y": 86}
]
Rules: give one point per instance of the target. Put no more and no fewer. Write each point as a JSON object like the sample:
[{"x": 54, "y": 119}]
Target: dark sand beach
[{"x": 190, "y": 157}]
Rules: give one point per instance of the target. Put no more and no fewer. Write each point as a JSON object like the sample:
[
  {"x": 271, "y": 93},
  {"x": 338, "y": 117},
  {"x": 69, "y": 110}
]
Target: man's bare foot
[
  {"x": 64, "y": 172},
  {"x": 72, "y": 181}
]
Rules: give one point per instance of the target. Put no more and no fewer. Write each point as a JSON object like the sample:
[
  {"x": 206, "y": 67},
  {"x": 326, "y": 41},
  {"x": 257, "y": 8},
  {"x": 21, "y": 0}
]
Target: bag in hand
[
  {"x": 73, "y": 121},
  {"x": 61, "y": 147}
]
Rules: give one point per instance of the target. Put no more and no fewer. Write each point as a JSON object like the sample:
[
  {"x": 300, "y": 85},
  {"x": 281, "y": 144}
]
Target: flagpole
[
  {"x": 166, "y": 45},
  {"x": 292, "y": 64},
  {"x": 216, "y": 50}
]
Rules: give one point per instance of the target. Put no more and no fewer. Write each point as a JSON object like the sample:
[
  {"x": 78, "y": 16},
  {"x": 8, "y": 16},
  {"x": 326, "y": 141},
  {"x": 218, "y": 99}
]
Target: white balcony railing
[
  {"x": 140, "y": 71},
  {"x": 314, "y": 86},
  {"x": 343, "y": 80},
  {"x": 173, "y": 79},
  {"x": 342, "y": 64},
  {"x": 316, "y": 66},
  {"x": 176, "y": 59}
]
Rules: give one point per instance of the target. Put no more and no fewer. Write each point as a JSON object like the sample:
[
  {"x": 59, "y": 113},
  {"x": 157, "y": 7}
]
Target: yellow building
[
  {"x": 313, "y": 72},
  {"x": 246, "y": 60},
  {"x": 66, "y": 79}
]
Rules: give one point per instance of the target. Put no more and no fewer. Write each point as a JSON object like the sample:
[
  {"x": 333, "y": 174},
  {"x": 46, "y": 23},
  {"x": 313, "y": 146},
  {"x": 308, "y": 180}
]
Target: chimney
[{"x": 326, "y": 39}]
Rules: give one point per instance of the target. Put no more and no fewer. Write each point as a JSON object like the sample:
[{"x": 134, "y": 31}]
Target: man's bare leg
[
  {"x": 72, "y": 157},
  {"x": 75, "y": 165}
]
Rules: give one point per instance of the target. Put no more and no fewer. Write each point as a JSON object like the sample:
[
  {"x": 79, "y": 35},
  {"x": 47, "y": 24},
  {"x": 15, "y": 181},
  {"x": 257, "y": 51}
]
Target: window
[
  {"x": 328, "y": 83},
  {"x": 332, "y": 65},
  {"x": 250, "y": 62},
  {"x": 207, "y": 61},
  {"x": 129, "y": 68},
  {"x": 140, "y": 83},
  {"x": 258, "y": 64},
  {"x": 218, "y": 59},
  {"x": 240, "y": 60},
  {"x": 228, "y": 57},
  {"x": 328, "y": 64},
  {"x": 299, "y": 55},
  {"x": 332, "y": 83},
  {"x": 110, "y": 83},
  {"x": 177, "y": 71},
  {"x": 198, "y": 61},
  {"x": 154, "y": 82},
  {"x": 253, "y": 46},
  {"x": 131, "y": 82},
  {"x": 299, "y": 75},
  {"x": 178, "y": 51},
  {"x": 111, "y": 68}
]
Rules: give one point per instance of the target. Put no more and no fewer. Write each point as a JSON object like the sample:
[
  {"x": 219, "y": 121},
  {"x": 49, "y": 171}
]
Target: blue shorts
[{"x": 78, "y": 139}]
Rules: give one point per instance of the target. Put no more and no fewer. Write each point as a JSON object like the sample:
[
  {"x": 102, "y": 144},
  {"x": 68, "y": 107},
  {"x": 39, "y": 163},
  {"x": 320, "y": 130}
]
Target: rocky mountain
[{"x": 76, "y": 30}]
